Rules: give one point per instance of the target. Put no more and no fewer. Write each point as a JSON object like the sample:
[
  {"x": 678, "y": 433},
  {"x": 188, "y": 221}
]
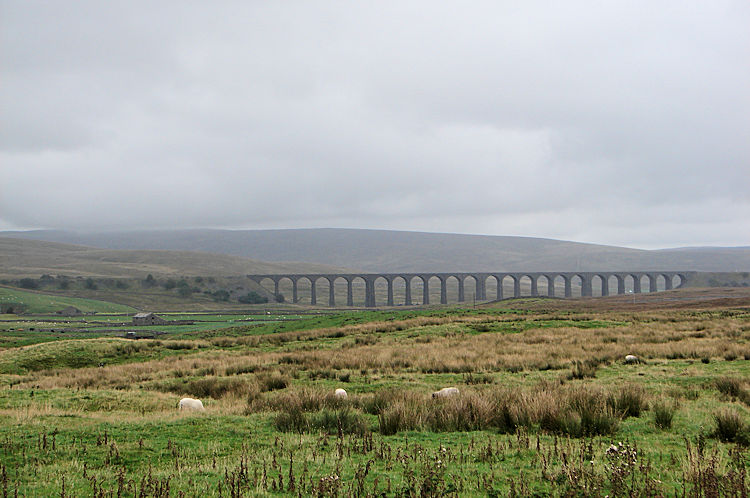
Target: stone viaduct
[{"x": 588, "y": 281}]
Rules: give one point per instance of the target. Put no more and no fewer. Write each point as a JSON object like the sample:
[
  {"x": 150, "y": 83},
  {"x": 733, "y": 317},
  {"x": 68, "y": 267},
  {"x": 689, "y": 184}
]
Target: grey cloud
[{"x": 536, "y": 118}]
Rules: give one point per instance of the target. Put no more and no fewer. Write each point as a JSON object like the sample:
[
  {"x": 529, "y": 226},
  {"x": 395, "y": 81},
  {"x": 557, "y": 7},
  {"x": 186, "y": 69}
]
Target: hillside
[
  {"x": 32, "y": 258},
  {"x": 384, "y": 251}
]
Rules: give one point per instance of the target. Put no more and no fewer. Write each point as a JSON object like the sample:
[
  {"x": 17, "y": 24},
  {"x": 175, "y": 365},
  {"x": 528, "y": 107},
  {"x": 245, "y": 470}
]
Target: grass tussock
[
  {"x": 731, "y": 427},
  {"x": 734, "y": 387},
  {"x": 664, "y": 411},
  {"x": 629, "y": 401},
  {"x": 574, "y": 411}
]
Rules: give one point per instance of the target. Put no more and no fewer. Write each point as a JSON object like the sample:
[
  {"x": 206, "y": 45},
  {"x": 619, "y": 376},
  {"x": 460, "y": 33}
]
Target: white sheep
[
  {"x": 190, "y": 404},
  {"x": 446, "y": 392},
  {"x": 631, "y": 358},
  {"x": 340, "y": 393}
]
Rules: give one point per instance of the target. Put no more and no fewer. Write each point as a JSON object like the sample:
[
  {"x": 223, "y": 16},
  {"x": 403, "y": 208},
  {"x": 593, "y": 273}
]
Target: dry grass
[{"x": 432, "y": 345}]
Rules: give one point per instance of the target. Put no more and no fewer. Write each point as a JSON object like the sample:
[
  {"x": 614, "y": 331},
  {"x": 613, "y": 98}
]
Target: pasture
[{"x": 547, "y": 405}]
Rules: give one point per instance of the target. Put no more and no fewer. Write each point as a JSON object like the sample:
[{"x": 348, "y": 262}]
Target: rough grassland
[
  {"x": 36, "y": 302},
  {"x": 547, "y": 406}
]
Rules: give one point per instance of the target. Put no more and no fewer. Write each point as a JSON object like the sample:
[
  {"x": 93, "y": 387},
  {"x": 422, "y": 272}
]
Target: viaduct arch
[{"x": 588, "y": 281}]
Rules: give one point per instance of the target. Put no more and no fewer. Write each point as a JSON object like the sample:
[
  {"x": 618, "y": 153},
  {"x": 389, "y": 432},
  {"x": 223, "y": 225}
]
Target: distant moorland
[{"x": 391, "y": 251}]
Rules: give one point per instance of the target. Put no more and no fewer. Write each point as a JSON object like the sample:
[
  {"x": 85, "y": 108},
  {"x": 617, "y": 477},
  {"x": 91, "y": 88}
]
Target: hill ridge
[{"x": 370, "y": 250}]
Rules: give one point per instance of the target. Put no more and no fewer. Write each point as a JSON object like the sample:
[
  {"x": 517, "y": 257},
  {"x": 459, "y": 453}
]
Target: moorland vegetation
[{"x": 547, "y": 405}]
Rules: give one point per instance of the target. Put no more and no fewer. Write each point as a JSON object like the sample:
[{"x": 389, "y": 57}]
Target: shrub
[
  {"x": 29, "y": 283},
  {"x": 252, "y": 297},
  {"x": 12, "y": 308},
  {"x": 184, "y": 292},
  {"x": 220, "y": 295}
]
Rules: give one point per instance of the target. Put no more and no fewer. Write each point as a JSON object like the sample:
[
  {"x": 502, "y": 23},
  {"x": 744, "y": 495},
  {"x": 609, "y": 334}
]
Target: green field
[
  {"x": 547, "y": 406},
  {"x": 34, "y": 302}
]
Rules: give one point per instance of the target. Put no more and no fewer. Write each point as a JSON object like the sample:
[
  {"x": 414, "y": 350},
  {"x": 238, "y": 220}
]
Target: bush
[
  {"x": 220, "y": 295},
  {"x": 252, "y": 297},
  {"x": 28, "y": 283},
  {"x": 184, "y": 292},
  {"x": 149, "y": 281},
  {"x": 12, "y": 308}
]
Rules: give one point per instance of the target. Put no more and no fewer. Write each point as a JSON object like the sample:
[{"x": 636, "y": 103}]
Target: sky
[{"x": 622, "y": 123}]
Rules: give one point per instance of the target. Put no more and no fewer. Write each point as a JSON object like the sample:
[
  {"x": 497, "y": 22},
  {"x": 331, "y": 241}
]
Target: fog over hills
[
  {"x": 393, "y": 251},
  {"x": 33, "y": 258}
]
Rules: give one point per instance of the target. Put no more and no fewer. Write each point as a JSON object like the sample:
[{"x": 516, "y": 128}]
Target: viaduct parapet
[{"x": 588, "y": 281}]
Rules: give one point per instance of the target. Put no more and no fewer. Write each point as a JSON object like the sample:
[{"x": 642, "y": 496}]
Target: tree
[
  {"x": 150, "y": 281},
  {"x": 252, "y": 297},
  {"x": 28, "y": 283},
  {"x": 221, "y": 295}
]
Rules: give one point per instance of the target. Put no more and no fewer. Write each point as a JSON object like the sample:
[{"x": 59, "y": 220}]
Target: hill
[
  {"x": 32, "y": 258},
  {"x": 390, "y": 251}
]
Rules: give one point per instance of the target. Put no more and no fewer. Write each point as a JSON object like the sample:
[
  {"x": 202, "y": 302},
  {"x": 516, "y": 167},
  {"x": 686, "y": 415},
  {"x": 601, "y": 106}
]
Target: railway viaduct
[{"x": 588, "y": 281}]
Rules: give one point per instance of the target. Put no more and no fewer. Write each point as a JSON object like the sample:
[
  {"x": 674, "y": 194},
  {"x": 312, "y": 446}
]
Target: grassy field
[
  {"x": 547, "y": 405},
  {"x": 36, "y": 302}
]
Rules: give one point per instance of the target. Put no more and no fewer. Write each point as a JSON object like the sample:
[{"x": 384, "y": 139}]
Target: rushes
[
  {"x": 734, "y": 388},
  {"x": 664, "y": 410},
  {"x": 730, "y": 427},
  {"x": 574, "y": 411}
]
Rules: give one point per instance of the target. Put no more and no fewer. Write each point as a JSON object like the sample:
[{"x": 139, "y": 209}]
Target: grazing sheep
[
  {"x": 340, "y": 393},
  {"x": 446, "y": 392},
  {"x": 190, "y": 404},
  {"x": 631, "y": 359}
]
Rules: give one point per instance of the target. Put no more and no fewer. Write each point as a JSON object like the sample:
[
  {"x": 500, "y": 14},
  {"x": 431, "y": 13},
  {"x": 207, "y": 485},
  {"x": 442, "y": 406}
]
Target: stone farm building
[
  {"x": 148, "y": 319},
  {"x": 69, "y": 311}
]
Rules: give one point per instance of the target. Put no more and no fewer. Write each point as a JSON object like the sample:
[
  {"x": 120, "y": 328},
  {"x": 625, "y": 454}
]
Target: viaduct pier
[{"x": 551, "y": 284}]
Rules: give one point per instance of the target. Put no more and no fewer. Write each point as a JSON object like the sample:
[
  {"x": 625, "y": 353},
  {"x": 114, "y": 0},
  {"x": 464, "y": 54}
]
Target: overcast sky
[{"x": 624, "y": 123}]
